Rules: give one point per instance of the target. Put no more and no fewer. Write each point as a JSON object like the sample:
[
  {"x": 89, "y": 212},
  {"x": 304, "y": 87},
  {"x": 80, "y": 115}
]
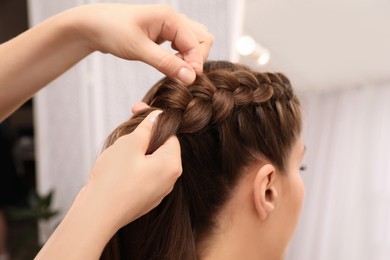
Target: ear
[{"x": 264, "y": 191}]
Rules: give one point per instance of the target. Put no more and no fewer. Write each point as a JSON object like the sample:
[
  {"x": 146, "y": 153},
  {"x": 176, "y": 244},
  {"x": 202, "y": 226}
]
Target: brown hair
[{"x": 227, "y": 119}]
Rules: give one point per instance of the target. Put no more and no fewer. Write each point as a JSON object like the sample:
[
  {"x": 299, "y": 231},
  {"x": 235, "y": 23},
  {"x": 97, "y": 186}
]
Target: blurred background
[
  {"x": 337, "y": 56},
  {"x": 18, "y": 221}
]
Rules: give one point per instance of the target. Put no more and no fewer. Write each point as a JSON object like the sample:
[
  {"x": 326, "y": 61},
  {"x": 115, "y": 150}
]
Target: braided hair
[{"x": 227, "y": 119}]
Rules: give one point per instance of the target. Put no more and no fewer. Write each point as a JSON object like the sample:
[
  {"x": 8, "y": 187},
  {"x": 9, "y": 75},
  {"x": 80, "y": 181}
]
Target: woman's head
[{"x": 239, "y": 133}]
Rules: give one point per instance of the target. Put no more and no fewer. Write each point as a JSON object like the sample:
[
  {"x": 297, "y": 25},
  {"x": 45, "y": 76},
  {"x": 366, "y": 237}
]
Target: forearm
[
  {"x": 83, "y": 233},
  {"x": 36, "y": 57}
]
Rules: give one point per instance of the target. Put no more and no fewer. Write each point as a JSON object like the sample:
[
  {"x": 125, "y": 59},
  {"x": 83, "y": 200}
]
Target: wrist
[
  {"x": 86, "y": 229},
  {"x": 115, "y": 210},
  {"x": 70, "y": 24},
  {"x": 83, "y": 23},
  {"x": 92, "y": 207}
]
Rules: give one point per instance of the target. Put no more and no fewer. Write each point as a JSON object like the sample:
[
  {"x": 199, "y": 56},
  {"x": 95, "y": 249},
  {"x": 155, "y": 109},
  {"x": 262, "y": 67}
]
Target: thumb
[
  {"x": 168, "y": 63},
  {"x": 168, "y": 158},
  {"x": 142, "y": 134}
]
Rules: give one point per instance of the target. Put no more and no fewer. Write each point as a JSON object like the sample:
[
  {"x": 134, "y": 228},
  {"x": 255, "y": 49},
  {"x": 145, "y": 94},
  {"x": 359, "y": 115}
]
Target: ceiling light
[
  {"x": 264, "y": 58},
  {"x": 247, "y": 46}
]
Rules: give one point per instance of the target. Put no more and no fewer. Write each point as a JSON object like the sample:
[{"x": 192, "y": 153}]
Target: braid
[{"x": 213, "y": 97}]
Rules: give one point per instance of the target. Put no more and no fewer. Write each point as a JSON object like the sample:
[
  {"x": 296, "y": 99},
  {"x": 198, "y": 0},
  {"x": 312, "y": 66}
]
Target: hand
[
  {"x": 125, "y": 184},
  {"x": 128, "y": 31},
  {"x": 134, "y": 31},
  {"x": 129, "y": 183},
  {"x": 137, "y": 107}
]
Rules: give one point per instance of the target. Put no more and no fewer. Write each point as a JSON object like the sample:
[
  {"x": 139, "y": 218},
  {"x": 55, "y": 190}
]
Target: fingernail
[
  {"x": 152, "y": 117},
  {"x": 186, "y": 76}
]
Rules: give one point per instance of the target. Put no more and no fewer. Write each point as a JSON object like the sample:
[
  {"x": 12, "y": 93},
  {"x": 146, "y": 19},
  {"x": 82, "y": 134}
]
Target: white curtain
[
  {"x": 346, "y": 213},
  {"x": 77, "y": 111}
]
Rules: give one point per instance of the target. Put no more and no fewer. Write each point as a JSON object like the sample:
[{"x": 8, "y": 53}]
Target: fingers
[
  {"x": 142, "y": 134},
  {"x": 137, "y": 107},
  {"x": 168, "y": 156},
  {"x": 190, "y": 38},
  {"x": 204, "y": 38},
  {"x": 167, "y": 62}
]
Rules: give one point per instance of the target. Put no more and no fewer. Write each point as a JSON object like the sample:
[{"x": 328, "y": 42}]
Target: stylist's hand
[
  {"x": 134, "y": 32},
  {"x": 125, "y": 184},
  {"x": 129, "y": 183}
]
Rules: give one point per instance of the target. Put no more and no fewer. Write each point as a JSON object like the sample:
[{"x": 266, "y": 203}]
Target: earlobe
[{"x": 265, "y": 193}]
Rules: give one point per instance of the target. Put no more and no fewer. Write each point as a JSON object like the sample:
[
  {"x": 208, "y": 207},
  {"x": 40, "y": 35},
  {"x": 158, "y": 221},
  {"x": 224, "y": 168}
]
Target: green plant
[{"x": 41, "y": 205}]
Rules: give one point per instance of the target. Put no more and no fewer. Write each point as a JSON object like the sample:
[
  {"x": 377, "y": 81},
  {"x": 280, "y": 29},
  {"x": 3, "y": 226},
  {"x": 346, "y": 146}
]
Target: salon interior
[{"x": 337, "y": 56}]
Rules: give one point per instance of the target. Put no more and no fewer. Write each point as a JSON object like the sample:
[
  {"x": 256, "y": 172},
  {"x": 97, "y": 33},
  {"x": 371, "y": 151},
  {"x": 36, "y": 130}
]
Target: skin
[
  {"x": 264, "y": 210},
  {"x": 39, "y": 55},
  {"x": 100, "y": 209},
  {"x": 123, "y": 172}
]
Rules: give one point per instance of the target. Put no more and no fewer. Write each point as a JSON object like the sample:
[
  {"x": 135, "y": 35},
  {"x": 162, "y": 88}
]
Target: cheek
[
  {"x": 299, "y": 194},
  {"x": 293, "y": 204},
  {"x": 295, "y": 196},
  {"x": 300, "y": 189}
]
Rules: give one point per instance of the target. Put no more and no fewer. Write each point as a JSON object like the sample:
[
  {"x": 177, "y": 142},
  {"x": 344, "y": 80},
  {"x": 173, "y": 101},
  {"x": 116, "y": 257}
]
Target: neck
[
  {"x": 238, "y": 244},
  {"x": 240, "y": 234}
]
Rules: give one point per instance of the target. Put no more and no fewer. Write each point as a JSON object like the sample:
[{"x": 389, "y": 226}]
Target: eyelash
[{"x": 303, "y": 168}]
